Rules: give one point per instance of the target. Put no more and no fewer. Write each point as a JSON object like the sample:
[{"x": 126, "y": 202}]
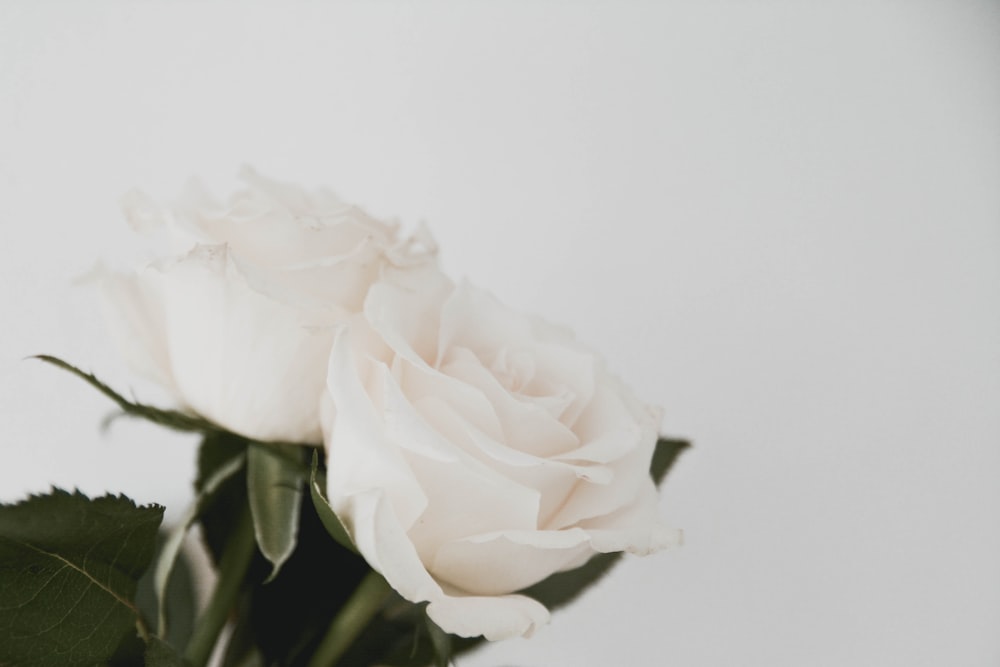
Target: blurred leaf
[
  {"x": 440, "y": 640},
  {"x": 563, "y": 587},
  {"x": 173, "y": 419},
  {"x": 172, "y": 545},
  {"x": 275, "y": 475},
  {"x": 161, "y": 654},
  {"x": 317, "y": 489},
  {"x": 179, "y": 597},
  {"x": 664, "y": 456},
  {"x": 69, "y": 568},
  {"x": 241, "y": 650},
  {"x": 402, "y": 635},
  {"x": 397, "y": 637}
]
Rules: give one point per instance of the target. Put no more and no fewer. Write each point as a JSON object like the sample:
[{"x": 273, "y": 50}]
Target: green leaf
[
  {"x": 665, "y": 455},
  {"x": 241, "y": 650},
  {"x": 161, "y": 654},
  {"x": 178, "y": 421},
  {"x": 69, "y": 567},
  {"x": 403, "y": 636},
  {"x": 317, "y": 489},
  {"x": 275, "y": 476},
  {"x": 441, "y": 641},
  {"x": 217, "y": 518}
]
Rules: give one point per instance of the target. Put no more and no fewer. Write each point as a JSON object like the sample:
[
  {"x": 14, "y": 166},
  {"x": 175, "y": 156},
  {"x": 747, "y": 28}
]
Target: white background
[{"x": 780, "y": 221}]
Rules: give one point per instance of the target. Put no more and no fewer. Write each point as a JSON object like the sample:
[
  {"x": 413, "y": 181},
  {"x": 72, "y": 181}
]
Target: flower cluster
[{"x": 471, "y": 450}]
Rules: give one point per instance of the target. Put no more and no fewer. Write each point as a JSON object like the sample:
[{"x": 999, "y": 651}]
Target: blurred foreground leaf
[{"x": 664, "y": 456}]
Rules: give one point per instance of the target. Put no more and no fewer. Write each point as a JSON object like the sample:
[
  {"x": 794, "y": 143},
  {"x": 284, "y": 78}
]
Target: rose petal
[
  {"x": 277, "y": 224},
  {"x": 134, "y": 313},
  {"x": 527, "y": 427},
  {"x": 381, "y": 539},
  {"x": 513, "y": 559},
  {"x": 496, "y": 618},
  {"x": 625, "y": 443},
  {"x": 360, "y": 454},
  {"x": 473, "y": 318},
  {"x": 404, "y": 313},
  {"x": 240, "y": 358},
  {"x": 610, "y": 426},
  {"x": 637, "y": 528},
  {"x": 418, "y": 383}
]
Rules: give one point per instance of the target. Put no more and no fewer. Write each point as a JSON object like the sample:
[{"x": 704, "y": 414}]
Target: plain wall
[{"x": 780, "y": 221}]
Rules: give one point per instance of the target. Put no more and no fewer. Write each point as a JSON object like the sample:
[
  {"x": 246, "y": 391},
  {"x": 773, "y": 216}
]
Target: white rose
[
  {"x": 238, "y": 325},
  {"x": 474, "y": 451}
]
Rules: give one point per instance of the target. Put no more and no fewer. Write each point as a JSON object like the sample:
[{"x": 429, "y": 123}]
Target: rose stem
[
  {"x": 233, "y": 567},
  {"x": 353, "y": 617}
]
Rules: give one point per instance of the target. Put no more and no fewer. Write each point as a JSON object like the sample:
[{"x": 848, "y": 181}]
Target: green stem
[
  {"x": 233, "y": 567},
  {"x": 354, "y": 616}
]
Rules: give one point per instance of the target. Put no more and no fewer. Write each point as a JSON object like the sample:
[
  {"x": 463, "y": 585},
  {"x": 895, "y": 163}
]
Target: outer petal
[
  {"x": 637, "y": 529},
  {"x": 473, "y": 451},
  {"x": 278, "y": 224},
  {"x": 372, "y": 486},
  {"x": 514, "y": 559},
  {"x": 134, "y": 312},
  {"x": 384, "y": 544},
  {"x": 360, "y": 455},
  {"x": 243, "y": 360}
]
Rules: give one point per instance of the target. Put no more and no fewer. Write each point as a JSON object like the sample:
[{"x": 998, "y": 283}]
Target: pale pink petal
[
  {"x": 527, "y": 427},
  {"x": 403, "y": 308},
  {"x": 360, "y": 454},
  {"x": 381, "y": 539},
  {"x": 496, "y": 618},
  {"x": 637, "y": 528},
  {"x": 513, "y": 559}
]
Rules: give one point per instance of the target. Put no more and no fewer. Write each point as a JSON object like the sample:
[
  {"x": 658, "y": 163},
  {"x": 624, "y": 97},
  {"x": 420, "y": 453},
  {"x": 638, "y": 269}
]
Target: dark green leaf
[
  {"x": 403, "y": 636},
  {"x": 563, "y": 587},
  {"x": 290, "y": 615},
  {"x": 221, "y": 508},
  {"x": 161, "y": 654},
  {"x": 317, "y": 489},
  {"x": 275, "y": 475},
  {"x": 665, "y": 455},
  {"x": 241, "y": 650},
  {"x": 179, "y": 421},
  {"x": 397, "y": 637},
  {"x": 68, "y": 573},
  {"x": 441, "y": 641}
]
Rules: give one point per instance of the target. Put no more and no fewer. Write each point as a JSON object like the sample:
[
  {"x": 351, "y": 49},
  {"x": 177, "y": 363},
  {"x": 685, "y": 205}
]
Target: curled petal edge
[{"x": 382, "y": 541}]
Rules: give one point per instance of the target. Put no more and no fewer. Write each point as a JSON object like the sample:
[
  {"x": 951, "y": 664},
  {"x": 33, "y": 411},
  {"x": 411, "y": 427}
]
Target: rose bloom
[
  {"x": 474, "y": 451},
  {"x": 238, "y": 324}
]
